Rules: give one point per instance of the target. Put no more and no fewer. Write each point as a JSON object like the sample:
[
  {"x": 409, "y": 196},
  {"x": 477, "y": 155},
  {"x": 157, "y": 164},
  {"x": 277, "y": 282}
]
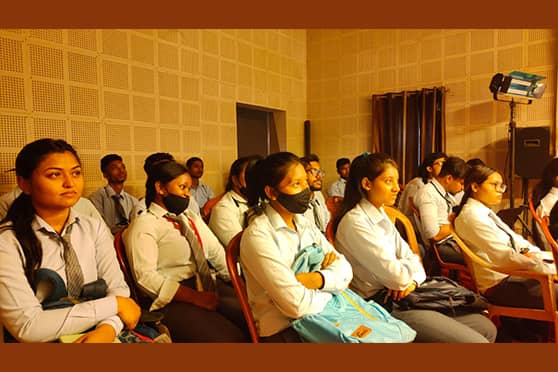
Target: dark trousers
[
  {"x": 189, "y": 323},
  {"x": 287, "y": 335},
  {"x": 520, "y": 292},
  {"x": 449, "y": 252},
  {"x": 517, "y": 292}
]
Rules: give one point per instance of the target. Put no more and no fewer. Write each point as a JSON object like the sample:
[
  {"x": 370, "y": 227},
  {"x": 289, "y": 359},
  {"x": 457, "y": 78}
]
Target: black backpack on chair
[{"x": 442, "y": 294}]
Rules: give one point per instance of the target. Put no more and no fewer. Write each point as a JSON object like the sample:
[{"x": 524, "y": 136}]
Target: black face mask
[
  {"x": 295, "y": 203},
  {"x": 176, "y": 204}
]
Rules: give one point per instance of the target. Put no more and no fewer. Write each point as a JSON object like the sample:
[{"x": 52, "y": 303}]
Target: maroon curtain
[{"x": 409, "y": 125}]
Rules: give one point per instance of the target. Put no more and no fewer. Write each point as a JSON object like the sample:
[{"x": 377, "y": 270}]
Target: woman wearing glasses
[{"x": 490, "y": 238}]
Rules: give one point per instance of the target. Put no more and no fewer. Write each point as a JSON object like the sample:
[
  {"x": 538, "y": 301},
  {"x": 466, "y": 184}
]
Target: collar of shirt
[
  {"x": 38, "y": 223},
  {"x": 442, "y": 191},
  {"x": 110, "y": 192},
  {"x": 553, "y": 190},
  {"x": 157, "y": 210},
  {"x": 484, "y": 212},
  {"x": 438, "y": 186},
  {"x": 278, "y": 223},
  {"x": 479, "y": 207},
  {"x": 376, "y": 215},
  {"x": 238, "y": 197}
]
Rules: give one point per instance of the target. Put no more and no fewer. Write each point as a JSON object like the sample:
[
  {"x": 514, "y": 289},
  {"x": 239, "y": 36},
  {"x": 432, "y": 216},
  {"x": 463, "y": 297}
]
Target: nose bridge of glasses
[
  {"x": 316, "y": 172},
  {"x": 501, "y": 187}
]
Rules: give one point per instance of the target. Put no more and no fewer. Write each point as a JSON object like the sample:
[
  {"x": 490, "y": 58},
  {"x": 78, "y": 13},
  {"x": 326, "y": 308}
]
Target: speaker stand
[{"x": 511, "y": 149}]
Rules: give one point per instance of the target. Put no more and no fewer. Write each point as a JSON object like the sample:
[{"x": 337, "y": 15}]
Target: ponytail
[{"x": 21, "y": 213}]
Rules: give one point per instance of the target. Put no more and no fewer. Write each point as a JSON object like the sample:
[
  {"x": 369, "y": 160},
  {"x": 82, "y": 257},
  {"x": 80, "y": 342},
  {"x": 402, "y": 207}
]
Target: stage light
[
  {"x": 515, "y": 88},
  {"x": 519, "y": 84}
]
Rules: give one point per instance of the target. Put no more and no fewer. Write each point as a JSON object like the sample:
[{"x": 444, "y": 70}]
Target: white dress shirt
[
  {"x": 83, "y": 205},
  {"x": 544, "y": 209},
  {"x": 105, "y": 204},
  {"x": 202, "y": 193},
  {"x": 227, "y": 217},
  {"x": 267, "y": 251},
  {"x": 489, "y": 238},
  {"x": 378, "y": 254},
  {"x": 547, "y": 202},
  {"x": 411, "y": 188},
  {"x": 20, "y": 311},
  {"x": 160, "y": 256},
  {"x": 337, "y": 188},
  {"x": 317, "y": 201},
  {"x": 434, "y": 205}
]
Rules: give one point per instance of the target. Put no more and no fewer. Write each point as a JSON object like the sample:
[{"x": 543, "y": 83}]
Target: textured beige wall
[
  {"x": 135, "y": 92},
  {"x": 345, "y": 67}
]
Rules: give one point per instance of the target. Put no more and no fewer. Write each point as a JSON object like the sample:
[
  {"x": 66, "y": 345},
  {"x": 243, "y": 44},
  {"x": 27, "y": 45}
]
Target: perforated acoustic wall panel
[
  {"x": 346, "y": 67},
  {"x": 134, "y": 92}
]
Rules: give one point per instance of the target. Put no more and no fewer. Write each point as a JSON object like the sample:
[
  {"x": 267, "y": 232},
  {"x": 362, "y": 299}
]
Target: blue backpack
[{"x": 347, "y": 317}]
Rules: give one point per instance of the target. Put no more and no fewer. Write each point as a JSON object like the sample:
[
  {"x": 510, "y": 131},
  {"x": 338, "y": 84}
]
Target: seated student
[
  {"x": 545, "y": 196},
  {"x": 435, "y": 202},
  {"x": 489, "y": 237},
  {"x": 112, "y": 202},
  {"x": 228, "y": 215},
  {"x": 317, "y": 211},
  {"x": 83, "y": 205},
  {"x": 430, "y": 168},
  {"x": 199, "y": 190},
  {"x": 152, "y": 159},
  {"x": 168, "y": 247},
  {"x": 278, "y": 193},
  {"x": 337, "y": 188},
  {"x": 42, "y": 231},
  {"x": 382, "y": 259},
  {"x": 473, "y": 162}
]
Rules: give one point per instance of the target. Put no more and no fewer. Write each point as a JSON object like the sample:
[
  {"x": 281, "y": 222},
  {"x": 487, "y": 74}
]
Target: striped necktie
[
  {"x": 499, "y": 224},
  {"x": 317, "y": 215},
  {"x": 188, "y": 229},
  {"x": 120, "y": 213},
  {"x": 74, "y": 274}
]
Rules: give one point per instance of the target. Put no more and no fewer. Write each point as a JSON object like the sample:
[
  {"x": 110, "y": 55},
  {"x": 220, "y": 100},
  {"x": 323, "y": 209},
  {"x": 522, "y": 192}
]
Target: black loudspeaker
[{"x": 532, "y": 146}]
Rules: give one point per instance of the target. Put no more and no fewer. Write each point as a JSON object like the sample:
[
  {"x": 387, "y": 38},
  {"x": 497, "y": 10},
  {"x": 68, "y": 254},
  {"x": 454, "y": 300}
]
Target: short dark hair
[
  {"x": 341, "y": 162},
  {"x": 475, "y": 162},
  {"x": 191, "y": 161},
  {"x": 454, "y": 166},
  {"x": 309, "y": 158},
  {"x": 107, "y": 159},
  {"x": 428, "y": 162},
  {"x": 269, "y": 171},
  {"x": 156, "y": 158},
  {"x": 163, "y": 172},
  {"x": 238, "y": 165}
]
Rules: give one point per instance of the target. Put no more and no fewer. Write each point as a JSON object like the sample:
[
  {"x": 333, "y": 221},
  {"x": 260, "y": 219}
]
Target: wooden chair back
[
  {"x": 548, "y": 313},
  {"x": 232, "y": 254}
]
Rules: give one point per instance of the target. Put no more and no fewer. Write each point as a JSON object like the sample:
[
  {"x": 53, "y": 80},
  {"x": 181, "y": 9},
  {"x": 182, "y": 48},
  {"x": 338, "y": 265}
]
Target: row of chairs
[
  {"x": 466, "y": 274},
  {"x": 549, "y": 313}
]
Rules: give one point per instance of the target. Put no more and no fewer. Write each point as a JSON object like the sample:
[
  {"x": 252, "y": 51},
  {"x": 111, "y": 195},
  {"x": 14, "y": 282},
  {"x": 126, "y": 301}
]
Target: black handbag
[{"x": 442, "y": 294}]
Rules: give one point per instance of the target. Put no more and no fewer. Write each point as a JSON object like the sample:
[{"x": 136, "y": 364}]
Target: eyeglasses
[
  {"x": 500, "y": 187},
  {"x": 316, "y": 172},
  {"x": 440, "y": 163}
]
